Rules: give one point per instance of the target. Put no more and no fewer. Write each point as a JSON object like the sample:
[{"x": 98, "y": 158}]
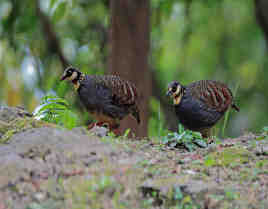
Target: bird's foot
[
  {"x": 114, "y": 128},
  {"x": 116, "y": 132}
]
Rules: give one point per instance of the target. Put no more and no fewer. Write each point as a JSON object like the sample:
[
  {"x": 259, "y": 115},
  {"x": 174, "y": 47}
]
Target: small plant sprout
[
  {"x": 54, "y": 109},
  {"x": 187, "y": 139}
]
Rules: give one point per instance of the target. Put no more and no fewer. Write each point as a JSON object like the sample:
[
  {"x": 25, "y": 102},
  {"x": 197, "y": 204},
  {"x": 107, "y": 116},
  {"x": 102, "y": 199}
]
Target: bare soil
[{"x": 47, "y": 167}]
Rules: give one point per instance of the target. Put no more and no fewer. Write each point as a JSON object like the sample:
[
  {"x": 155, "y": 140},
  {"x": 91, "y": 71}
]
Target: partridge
[
  {"x": 201, "y": 104},
  {"x": 108, "y": 98}
]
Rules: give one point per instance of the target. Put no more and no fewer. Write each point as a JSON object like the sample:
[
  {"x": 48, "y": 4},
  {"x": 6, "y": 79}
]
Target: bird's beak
[
  {"x": 63, "y": 77},
  {"x": 169, "y": 93}
]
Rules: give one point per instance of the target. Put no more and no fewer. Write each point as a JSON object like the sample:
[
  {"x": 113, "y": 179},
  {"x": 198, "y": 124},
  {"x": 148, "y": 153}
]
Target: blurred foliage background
[{"x": 190, "y": 40}]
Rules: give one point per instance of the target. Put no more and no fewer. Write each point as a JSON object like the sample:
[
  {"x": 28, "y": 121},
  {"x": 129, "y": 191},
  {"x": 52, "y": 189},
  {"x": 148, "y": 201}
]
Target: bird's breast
[{"x": 194, "y": 115}]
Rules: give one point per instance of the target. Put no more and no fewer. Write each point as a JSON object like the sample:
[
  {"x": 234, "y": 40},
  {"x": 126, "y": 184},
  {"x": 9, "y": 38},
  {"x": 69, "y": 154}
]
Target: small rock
[
  {"x": 8, "y": 114},
  {"x": 40, "y": 196},
  {"x": 190, "y": 172},
  {"x": 99, "y": 131},
  {"x": 80, "y": 130},
  {"x": 262, "y": 150},
  {"x": 166, "y": 188}
]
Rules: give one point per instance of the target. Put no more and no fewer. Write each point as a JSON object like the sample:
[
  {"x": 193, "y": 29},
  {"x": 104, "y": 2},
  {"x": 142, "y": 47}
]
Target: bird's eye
[
  {"x": 69, "y": 72},
  {"x": 174, "y": 88}
]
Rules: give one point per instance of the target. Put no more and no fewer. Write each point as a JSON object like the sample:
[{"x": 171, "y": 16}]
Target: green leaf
[
  {"x": 69, "y": 120},
  {"x": 59, "y": 12},
  {"x": 126, "y": 132},
  {"x": 180, "y": 129},
  {"x": 52, "y": 98},
  {"x": 178, "y": 195},
  {"x": 50, "y": 106},
  {"x": 197, "y": 135},
  {"x": 56, "y": 110},
  {"x": 189, "y": 146},
  {"x": 188, "y": 139},
  {"x": 178, "y": 136},
  {"x": 52, "y": 3},
  {"x": 165, "y": 140},
  {"x": 265, "y": 129},
  {"x": 200, "y": 143}
]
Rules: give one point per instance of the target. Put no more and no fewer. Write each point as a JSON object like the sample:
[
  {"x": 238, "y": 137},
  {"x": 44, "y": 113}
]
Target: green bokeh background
[{"x": 190, "y": 40}]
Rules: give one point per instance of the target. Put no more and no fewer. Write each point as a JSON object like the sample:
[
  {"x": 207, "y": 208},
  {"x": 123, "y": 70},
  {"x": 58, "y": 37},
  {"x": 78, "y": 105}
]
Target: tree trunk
[
  {"x": 128, "y": 53},
  {"x": 261, "y": 8}
]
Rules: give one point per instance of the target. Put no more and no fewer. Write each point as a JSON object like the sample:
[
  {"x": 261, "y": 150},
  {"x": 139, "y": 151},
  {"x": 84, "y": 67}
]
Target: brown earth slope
[{"x": 46, "y": 167}]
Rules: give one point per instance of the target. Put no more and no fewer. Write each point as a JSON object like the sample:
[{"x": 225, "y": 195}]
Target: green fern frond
[{"x": 54, "y": 109}]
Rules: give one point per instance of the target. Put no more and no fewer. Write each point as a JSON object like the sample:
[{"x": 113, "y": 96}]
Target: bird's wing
[
  {"x": 214, "y": 94},
  {"x": 124, "y": 92}
]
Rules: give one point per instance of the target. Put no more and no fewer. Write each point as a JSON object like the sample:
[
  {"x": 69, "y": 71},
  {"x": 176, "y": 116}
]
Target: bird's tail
[
  {"x": 136, "y": 114},
  {"x": 235, "y": 107}
]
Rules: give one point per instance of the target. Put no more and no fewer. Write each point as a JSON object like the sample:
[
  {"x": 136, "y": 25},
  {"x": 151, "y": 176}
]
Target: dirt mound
[{"x": 44, "y": 166}]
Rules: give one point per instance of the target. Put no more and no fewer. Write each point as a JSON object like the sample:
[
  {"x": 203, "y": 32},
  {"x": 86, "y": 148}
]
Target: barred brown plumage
[
  {"x": 201, "y": 104},
  {"x": 213, "y": 93},
  {"x": 108, "y": 98},
  {"x": 125, "y": 91}
]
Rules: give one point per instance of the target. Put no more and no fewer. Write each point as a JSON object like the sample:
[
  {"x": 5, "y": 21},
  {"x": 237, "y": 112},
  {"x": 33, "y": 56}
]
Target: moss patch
[
  {"x": 51, "y": 168},
  {"x": 7, "y": 130},
  {"x": 228, "y": 157}
]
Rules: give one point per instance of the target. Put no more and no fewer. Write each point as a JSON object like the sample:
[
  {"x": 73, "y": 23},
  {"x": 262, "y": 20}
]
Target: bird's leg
[
  {"x": 104, "y": 124},
  {"x": 116, "y": 132},
  {"x": 91, "y": 125},
  {"x": 100, "y": 124},
  {"x": 114, "y": 128}
]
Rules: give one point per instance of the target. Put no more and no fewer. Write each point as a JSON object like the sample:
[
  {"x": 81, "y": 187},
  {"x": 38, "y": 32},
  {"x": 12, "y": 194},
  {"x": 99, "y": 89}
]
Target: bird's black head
[
  {"x": 176, "y": 91},
  {"x": 71, "y": 74}
]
